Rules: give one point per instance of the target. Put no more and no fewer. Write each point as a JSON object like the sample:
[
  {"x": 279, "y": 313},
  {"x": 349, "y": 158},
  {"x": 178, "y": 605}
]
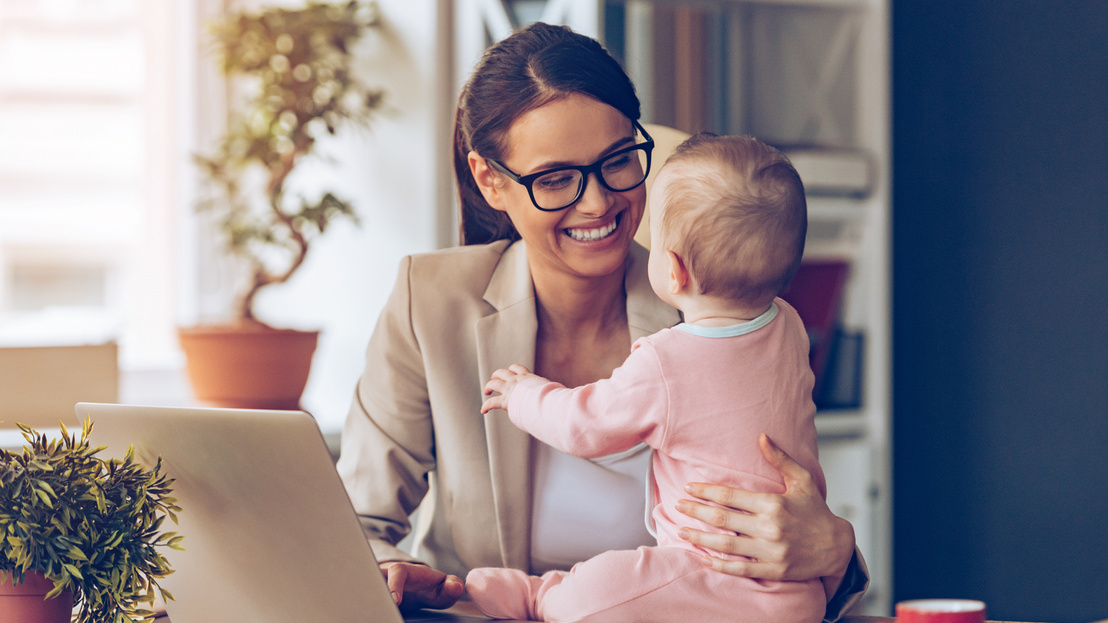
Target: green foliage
[
  {"x": 88, "y": 524},
  {"x": 299, "y": 65}
]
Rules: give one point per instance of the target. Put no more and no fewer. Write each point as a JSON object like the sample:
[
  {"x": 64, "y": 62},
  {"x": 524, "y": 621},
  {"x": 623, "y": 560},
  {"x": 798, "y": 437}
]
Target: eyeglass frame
[{"x": 527, "y": 181}]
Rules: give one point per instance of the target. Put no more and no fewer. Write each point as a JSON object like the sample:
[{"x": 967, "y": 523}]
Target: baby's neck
[{"x": 709, "y": 311}]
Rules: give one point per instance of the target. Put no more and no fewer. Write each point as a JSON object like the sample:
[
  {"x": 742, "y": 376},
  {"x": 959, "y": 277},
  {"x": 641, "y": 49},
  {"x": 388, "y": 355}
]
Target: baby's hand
[{"x": 503, "y": 381}]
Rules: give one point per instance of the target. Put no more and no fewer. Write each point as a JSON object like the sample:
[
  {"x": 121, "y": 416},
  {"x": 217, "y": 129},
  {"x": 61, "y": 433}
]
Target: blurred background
[{"x": 954, "y": 154}]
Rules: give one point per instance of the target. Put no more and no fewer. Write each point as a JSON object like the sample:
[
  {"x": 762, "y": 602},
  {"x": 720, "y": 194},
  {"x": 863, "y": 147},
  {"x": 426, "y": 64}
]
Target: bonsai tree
[
  {"x": 297, "y": 63},
  {"x": 89, "y": 525}
]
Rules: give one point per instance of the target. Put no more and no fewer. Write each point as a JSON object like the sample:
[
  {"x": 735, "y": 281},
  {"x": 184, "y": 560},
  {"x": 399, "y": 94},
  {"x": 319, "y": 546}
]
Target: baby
[{"x": 727, "y": 224}]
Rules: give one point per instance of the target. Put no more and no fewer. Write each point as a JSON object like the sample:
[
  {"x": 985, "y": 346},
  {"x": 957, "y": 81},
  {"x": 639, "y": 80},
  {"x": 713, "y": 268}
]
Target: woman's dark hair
[{"x": 534, "y": 66}]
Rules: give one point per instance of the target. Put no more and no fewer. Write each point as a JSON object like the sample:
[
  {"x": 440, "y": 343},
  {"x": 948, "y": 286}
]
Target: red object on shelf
[{"x": 816, "y": 293}]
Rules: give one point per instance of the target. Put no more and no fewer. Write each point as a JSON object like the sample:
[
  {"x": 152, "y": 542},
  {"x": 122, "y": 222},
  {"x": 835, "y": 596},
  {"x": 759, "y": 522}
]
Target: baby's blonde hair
[{"x": 735, "y": 213}]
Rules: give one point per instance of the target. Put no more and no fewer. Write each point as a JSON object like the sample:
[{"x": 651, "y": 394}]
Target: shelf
[
  {"x": 841, "y": 423},
  {"x": 812, "y": 78},
  {"x": 859, "y": 5},
  {"x": 840, "y": 207},
  {"x": 821, "y": 4}
]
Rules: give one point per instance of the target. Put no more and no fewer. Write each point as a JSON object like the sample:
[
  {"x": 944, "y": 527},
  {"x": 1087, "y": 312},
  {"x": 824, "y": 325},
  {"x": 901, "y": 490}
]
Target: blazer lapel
[{"x": 505, "y": 337}]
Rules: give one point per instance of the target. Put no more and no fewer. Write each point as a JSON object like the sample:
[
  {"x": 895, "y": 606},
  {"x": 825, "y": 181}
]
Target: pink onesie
[{"x": 699, "y": 397}]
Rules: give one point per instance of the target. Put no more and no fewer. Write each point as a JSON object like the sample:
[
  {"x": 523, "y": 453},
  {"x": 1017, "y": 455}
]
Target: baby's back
[{"x": 723, "y": 393}]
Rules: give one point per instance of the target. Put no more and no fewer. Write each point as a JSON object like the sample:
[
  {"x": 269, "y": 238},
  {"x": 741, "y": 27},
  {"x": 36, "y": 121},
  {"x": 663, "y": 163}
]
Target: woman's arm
[
  {"x": 789, "y": 536},
  {"x": 387, "y": 440}
]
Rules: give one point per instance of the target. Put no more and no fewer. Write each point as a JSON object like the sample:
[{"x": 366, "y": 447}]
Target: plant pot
[
  {"x": 248, "y": 366},
  {"x": 26, "y": 602}
]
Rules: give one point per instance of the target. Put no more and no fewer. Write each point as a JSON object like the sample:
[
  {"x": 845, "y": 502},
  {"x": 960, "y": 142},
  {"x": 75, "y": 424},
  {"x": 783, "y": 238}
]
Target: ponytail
[{"x": 480, "y": 222}]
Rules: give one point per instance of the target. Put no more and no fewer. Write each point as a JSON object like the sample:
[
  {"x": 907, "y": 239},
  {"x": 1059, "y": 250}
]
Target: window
[{"x": 90, "y": 119}]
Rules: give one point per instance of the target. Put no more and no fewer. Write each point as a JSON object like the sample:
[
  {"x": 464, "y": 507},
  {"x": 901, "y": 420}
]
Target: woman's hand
[
  {"x": 419, "y": 586},
  {"x": 790, "y": 536}
]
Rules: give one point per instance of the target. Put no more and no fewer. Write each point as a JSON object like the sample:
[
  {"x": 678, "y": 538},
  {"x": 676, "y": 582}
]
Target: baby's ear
[{"x": 678, "y": 274}]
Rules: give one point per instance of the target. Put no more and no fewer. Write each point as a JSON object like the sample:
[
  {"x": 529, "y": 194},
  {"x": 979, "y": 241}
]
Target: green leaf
[
  {"x": 45, "y": 497},
  {"x": 54, "y": 592}
]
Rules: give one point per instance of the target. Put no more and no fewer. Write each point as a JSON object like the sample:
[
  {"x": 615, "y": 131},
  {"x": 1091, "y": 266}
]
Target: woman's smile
[{"x": 594, "y": 232}]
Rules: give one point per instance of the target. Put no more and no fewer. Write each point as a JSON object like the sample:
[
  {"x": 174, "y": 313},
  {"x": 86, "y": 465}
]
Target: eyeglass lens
[{"x": 620, "y": 171}]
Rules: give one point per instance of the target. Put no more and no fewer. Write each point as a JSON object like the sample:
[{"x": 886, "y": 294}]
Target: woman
[{"x": 551, "y": 278}]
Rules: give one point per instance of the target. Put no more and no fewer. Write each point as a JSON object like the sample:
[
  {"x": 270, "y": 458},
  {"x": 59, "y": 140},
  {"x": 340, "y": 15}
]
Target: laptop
[{"x": 269, "y": 532}]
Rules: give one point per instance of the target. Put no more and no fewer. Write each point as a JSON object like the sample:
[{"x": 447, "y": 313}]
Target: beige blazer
[
  {"x": 415, "y": 436},
  {"x": 416, "y": 426}
]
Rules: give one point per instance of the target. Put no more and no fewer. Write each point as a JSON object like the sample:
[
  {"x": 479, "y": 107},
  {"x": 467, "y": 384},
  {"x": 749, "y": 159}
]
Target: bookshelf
[{"x": 812, "y": 77}]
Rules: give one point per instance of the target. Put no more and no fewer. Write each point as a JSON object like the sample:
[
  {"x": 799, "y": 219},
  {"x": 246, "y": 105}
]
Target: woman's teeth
[{"x": 592, "y": 234}]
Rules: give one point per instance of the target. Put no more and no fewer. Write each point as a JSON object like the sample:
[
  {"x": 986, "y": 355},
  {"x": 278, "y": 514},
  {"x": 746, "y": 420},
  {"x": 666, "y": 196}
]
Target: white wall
[{"x": 392, "y": 172}]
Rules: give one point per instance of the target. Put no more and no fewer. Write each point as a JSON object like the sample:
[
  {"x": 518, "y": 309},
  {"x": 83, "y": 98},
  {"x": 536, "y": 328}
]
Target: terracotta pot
[
  {"x": 26, "y": 603},
  {"x": 249, "y": 366}
]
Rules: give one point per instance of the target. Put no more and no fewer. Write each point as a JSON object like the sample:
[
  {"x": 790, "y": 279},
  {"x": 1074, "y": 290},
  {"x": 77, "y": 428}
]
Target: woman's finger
[
  {"x": 766, "y": 558},
  {"x": 419, "y": 586},
  {"x": 737, "y": 499},
  {"x": 759, "y": 527},
  {"x": 723, "y": 543},
  {"x": 395, "y": 574},
  {"x": 745, "y": 568},
  {"x": 441, "y": 594},
  {"x": 794, "y": 474},
  {"x": 722, "y": 518}
]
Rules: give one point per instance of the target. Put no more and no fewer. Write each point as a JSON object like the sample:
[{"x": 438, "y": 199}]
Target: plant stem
[{"x": 261, "y": 276}]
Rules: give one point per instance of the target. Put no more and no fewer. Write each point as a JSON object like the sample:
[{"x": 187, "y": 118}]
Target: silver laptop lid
[{"x": 270, "y": 535}]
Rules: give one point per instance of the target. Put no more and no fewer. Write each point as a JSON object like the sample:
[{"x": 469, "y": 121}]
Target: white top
[{"x": 583, "y": 507}]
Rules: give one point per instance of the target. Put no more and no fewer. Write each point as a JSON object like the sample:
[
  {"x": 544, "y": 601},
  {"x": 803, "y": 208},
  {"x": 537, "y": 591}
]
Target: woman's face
[{"x": 592, "y": 237}]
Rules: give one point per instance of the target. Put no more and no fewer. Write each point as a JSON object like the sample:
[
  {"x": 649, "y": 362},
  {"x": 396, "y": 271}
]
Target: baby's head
[{"x": 733, "y": 210}]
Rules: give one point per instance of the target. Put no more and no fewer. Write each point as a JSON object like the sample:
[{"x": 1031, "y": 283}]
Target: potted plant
[
  {"x": 298, "y": 64},
  {"x": 78, "y": 529}
]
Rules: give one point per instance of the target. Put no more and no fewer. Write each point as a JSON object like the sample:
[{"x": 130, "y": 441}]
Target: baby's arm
[{"x": 593, "y": 420}]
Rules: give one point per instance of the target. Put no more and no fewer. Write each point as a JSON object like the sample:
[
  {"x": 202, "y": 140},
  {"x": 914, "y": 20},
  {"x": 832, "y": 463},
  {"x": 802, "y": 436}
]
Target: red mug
[{"x": 940, "y": 611}]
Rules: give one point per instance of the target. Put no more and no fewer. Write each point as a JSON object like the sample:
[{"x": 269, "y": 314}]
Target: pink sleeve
[{"x": 593, "y": 420}]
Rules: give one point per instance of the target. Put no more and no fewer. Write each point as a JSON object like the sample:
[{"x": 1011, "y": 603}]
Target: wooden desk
[
  {"x": 467, "y": 610},
  {"x": 864, "y": 619}
]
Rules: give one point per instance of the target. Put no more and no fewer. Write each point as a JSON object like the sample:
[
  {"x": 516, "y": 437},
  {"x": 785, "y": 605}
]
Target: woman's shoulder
[
  {"x": 464, "y": 271},
  {"x": 479, "y": 258}
]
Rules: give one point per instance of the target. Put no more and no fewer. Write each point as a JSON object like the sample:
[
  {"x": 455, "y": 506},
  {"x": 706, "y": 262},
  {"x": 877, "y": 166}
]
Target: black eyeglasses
[{"x": 557, "y": 189}]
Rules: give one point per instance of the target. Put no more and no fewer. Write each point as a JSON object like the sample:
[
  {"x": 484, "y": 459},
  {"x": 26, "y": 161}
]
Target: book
[
  {"x": 842, "y": 375},
  {"x": 833, "y": 171}
]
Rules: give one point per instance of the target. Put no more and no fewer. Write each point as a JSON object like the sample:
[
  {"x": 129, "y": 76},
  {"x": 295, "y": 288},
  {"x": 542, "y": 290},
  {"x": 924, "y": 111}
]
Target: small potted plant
[
  {"x": 298, "y": 64},
  {"x": 76, "y": 529}
]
